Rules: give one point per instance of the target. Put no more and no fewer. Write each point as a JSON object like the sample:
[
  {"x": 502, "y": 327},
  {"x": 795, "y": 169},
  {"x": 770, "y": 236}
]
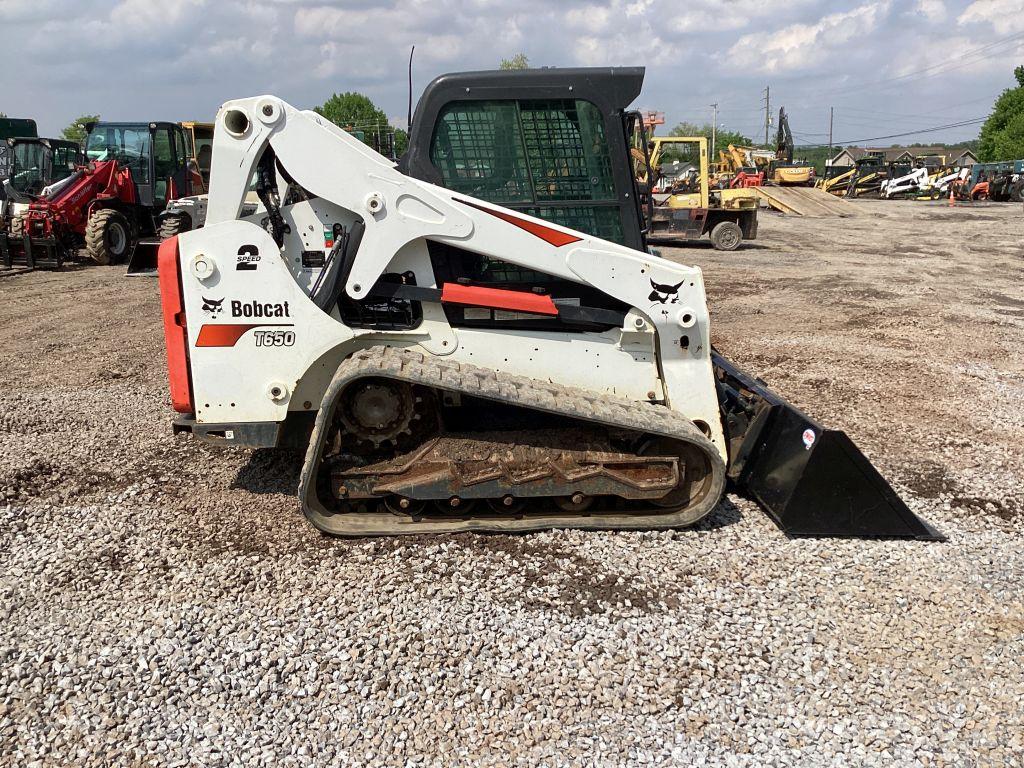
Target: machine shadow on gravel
[
  {"x": 270, "y": 470},
  {"x": 722, "y": 516}
]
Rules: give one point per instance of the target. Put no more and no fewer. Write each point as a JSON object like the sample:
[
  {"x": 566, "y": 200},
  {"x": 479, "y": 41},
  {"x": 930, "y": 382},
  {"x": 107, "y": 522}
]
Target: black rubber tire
[
  {"x": 174, "y": 225},
  {"x": 726, "y": 236},
  {"x": 1017, "y": 192},
  {"x": 108, "y": 236},
  {"x": 17, "y": 227}
]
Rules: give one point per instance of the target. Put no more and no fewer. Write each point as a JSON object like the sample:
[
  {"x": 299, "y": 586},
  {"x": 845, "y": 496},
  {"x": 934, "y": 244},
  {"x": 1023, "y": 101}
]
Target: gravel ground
[{"x": 162, "y": 603}]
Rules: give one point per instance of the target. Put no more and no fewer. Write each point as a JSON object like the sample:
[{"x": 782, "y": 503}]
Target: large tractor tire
[
  {"x": 726, "y": 236},
  {"x": 1017, "y": 192},
  {"x": 108, "y": 236},
  {"x": 174, "y": 225}
]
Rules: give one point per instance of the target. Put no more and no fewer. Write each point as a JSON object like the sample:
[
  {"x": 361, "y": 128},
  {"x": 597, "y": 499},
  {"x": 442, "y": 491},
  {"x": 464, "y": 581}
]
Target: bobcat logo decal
[
  {"x": 665, "y": 294},
  {"x": 213, "y": 306}
]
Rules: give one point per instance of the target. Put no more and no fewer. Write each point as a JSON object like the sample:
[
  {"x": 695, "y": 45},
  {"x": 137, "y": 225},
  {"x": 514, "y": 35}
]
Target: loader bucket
[
  {"x": 812, "y": 481},
  {"x": 143, "y": 259}
]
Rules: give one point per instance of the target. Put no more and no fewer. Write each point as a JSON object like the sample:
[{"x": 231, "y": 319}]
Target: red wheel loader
[{"x": 112, "y": 202}]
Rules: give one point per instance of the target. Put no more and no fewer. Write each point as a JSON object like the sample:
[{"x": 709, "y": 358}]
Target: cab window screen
[
  {"x": 478, "y": 148},
  {"x": 129, "y": 145},
  {"x": 567, "y": 150},
  {"x": 545, "y": 157}
]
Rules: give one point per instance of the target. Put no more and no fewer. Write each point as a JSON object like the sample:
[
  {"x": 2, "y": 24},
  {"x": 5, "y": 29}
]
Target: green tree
[
  {"x": 519, "y": 61},
  {"x": 401, "y": 141},
  {"x": 354, "y": 111},
  {"x": 1002, "y": 135},
  {"x": 723, "y": 138},
  {"x": 76, "y": 131}
]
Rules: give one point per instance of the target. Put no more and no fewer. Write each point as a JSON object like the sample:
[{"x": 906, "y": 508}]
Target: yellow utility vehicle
[{"x": 682, "y": 205}]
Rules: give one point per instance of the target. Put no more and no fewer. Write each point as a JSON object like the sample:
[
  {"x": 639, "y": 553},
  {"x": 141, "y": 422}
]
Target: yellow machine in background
[
  {"x": 683, "y": 205},
  {"x": 837, "y": 185},
  {"x": 199, "y": 137},
  {"x": 793, "y": 175},
  {"x": 734, "y": 158}
]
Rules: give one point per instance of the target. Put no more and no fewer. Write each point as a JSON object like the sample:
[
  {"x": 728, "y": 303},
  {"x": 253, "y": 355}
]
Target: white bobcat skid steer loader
[
  {"x": 940, "y": 184},
  {"x": 365, "y": 308},
  {"x": 908, "y": 184}
]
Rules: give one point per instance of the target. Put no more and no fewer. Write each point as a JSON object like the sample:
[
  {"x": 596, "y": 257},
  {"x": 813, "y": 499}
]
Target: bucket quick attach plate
[{"x": 812, "y": 481}]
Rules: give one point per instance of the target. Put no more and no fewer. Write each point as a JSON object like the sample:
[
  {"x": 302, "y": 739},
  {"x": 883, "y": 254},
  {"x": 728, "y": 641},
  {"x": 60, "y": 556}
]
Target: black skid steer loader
[{"x": 555, "y": 144}]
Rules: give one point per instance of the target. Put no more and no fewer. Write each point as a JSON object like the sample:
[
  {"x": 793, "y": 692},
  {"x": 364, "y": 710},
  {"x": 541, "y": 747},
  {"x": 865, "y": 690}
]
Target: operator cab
[
  {"x": 37, "y": 163},
  {"x": 156, "y": 154},
  {"x": 526, "y": 141},
  {"x": 199, "y": 151}
]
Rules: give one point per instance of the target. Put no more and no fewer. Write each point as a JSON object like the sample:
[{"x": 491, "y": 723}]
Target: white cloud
[
  {"x": 141, "y": 16},
  {"x": 185, "y": 57},
  {"x": 1002, "y": 15},
  {"x": 800, "y": 46},
  {"x": 27, "y": 10},
  {"x": 590, "y": 18},
  {"x": 933, "y": 10}
]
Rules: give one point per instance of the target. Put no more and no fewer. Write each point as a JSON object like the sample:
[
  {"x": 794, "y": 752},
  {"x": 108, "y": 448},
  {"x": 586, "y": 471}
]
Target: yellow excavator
[{"x": 784, "y": 170}]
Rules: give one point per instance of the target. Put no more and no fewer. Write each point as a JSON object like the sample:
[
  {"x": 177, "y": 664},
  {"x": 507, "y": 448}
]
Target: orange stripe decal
[{"x": 547, "y": 234}]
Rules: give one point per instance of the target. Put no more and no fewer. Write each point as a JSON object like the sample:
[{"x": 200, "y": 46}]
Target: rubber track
[{"x": 417, "y": 368}]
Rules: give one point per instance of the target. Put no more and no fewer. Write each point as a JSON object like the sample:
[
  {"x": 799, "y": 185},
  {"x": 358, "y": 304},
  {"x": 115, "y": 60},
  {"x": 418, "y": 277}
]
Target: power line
[
  {"x": 849, "y": 142},
  {"x": 945, "y": 108},
  {"x": 950, "y": 64}
]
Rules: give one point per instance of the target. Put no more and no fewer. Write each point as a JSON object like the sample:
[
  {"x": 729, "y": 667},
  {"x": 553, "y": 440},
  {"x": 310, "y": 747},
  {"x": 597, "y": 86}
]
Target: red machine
[
  {"x": 744, "y": 180},
  {"x": 56, "y": 225},
  {"x": 134, "y": 170}
]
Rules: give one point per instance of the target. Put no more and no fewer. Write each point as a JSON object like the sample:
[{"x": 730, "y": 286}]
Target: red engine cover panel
[{"x": 175, "y": 332}]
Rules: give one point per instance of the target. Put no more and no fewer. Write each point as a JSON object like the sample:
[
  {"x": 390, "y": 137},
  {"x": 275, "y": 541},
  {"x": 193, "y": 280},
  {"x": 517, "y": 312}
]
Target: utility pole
[
  {"x": 767, "y": 113},
  {"x": 714, "y": 128},
  {"x": 830, "y": 111}
]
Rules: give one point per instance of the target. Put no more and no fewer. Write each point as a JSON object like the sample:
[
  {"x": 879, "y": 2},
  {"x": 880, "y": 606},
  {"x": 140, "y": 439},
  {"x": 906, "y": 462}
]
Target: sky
[{"x": 885, "y": 66}]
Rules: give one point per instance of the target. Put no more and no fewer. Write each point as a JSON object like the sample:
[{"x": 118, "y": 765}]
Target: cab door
[
  {"x": 163, "y": 164},
  {"x": 184, "y": 181}
]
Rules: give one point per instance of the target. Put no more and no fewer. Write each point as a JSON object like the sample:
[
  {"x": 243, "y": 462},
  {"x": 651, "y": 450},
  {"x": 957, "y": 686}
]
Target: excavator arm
[{"x": 783, "y": 139}]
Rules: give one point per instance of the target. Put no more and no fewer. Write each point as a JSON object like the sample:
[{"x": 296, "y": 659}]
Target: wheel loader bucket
[
  {"x": 143, "y": 259},
  {"x": 811, "y": 480}
]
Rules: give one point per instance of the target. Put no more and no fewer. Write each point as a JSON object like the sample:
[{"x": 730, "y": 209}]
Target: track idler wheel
[
  {"x": 507, "y": 505},
  {"x": 400, "y": 505},
  {"x": 695, "y": 473},
  {"x": 578, "y": 502},
  {"x": 455, "y": 505}
]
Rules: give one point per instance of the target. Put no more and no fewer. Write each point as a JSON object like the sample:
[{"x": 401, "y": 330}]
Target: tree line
[{"x": 1001, "y": 138}]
